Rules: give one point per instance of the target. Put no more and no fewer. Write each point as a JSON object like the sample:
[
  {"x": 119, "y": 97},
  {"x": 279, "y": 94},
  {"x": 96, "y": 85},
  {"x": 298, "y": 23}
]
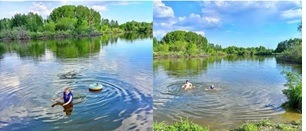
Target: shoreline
[
  {"x": 171, "y": 56},
  {"x": 251, "y": 125},
  {"x": 61, "y": 35}
]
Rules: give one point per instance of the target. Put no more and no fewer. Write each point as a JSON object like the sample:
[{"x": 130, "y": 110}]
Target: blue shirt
[{"x": 67, "y": 97}]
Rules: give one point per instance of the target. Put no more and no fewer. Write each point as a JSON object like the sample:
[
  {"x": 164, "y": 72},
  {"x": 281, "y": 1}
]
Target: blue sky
[
  {"x": 122, "y": 11},
  {"x": 239, "y": 23}
]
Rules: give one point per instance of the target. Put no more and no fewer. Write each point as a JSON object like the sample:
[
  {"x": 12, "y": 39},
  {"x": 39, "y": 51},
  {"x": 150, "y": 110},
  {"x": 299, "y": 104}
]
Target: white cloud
[
  {"x": 160, "y": 10},
  {"x": 212, "y": 20},
  {"x": 293, "y": 21},
  {"x": 200, "y": 32},
  {"x": 292, "y": 13},
  {"x": 125, "y": 3},
  {"x": 99, "y": 8},
  {"x": 159, "y": 33},
  {"x": 182, "y": 18},
  {"x": 196, "y": 21},
  {"x": 41, "y": 9}
]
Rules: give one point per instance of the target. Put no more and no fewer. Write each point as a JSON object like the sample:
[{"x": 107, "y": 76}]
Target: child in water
[
  {"x": 187, "y": 85},
  {"x": 67, "y": 104},
  {"x": 212, "y": 87}
]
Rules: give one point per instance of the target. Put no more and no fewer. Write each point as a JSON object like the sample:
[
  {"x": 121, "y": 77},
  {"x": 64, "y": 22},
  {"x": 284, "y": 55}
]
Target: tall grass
[
  {"x": 294, "y": 90},
  {"x": 182, "y": 125}
]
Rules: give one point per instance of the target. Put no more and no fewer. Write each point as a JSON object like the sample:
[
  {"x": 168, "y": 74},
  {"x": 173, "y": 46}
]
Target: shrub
[{"x": 294, "y": 91}]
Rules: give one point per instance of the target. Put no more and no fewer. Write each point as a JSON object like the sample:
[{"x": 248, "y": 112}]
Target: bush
[
  {"x": 6, "y": 34},
  {"x": 293, "y": 54},
  {"x": 294, "y": 91}
]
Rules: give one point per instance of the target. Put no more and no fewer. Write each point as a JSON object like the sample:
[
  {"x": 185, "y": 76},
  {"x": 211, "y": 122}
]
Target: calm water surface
[
  {"x": 249, "y": 88},
  {"x": 32, "y": 73}
]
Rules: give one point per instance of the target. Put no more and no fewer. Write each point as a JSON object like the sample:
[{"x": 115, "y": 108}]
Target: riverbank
[
  {"x": 160, "y": 55},
  {"x": 247, "y": 126},
  {"x": 171, "y": 55},
  {"x": 7, "y": 36}
]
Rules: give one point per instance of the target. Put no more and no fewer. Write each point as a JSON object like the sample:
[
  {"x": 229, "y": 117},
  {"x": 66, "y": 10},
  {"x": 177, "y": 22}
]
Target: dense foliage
[
  {"x": 288, "y": 44},
  {"x": 290, "y": 50},
  {"x": 182, "y": 43},
  {"x": 294, "y": 90},
  {"x": 65, "y": 21}
]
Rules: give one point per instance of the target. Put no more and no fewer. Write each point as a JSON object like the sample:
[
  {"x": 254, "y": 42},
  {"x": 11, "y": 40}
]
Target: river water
[
  {"x": 34, "y": 72},
  {"x": 248, "y": 88}
]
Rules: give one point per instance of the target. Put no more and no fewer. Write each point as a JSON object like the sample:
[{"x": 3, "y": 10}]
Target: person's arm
[
  {"x": 68, "y": 101},
  {"x": 58, "y": 99}
]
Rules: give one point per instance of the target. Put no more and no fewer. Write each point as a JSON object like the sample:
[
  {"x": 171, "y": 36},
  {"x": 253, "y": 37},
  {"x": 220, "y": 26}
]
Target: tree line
[
  {"x": 65, "y": 21},
  {"x": 190, "y": 44},
  {"x": 185, "y": 43}
]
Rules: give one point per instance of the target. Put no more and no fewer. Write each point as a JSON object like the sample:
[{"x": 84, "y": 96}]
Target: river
[
  {"x": 248, "y": 88},
  {"x": 34, "y": 72}
]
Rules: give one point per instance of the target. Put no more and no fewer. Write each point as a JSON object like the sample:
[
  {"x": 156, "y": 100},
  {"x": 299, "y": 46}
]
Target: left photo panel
[{"x": 68, "y": 65}]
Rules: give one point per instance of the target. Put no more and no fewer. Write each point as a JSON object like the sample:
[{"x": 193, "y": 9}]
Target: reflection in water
[
  {"x": 66, "y": 48},
  {"x": 192, "y": 66},
  {"x": 249, "y": 88},
  {"x": 34, "y": 72},
  {"x": 67, "y": 108}
]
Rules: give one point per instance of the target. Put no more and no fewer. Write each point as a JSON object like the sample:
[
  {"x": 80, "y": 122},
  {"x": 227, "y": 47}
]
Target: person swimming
[
  {"x": 67, "y": 104},
  {"x": 187, "y": 85},
  {"x": 212, "y": 87}
]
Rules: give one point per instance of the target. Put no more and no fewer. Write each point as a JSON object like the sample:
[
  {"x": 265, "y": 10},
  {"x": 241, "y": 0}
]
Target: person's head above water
[
  {"x": 67, "y": 90},
  {"x": 212, "y": 87}
]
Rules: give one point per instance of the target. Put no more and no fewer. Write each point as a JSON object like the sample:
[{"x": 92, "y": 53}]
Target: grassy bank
[
  {"x": 264, "y": 125},
  {"x": 182, "y": 125},
  {"x": 294, "y": 91}
]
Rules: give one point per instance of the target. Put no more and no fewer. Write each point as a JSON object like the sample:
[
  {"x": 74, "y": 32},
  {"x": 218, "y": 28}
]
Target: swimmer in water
[
  {"x": 187, "y": 85},
  {"x": 212, "y": 87},
  {"x": 67, "y": 104}
]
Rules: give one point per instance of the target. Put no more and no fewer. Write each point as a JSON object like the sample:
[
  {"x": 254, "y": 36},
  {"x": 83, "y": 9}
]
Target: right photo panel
[{"x": 227, "y": 65}]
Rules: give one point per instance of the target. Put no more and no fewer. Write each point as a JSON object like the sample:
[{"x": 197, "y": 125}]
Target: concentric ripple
[
  {"x": 116, "y": 102},
  {"x": 28, "y": 86},
  {"x": 243, "y": 92}
]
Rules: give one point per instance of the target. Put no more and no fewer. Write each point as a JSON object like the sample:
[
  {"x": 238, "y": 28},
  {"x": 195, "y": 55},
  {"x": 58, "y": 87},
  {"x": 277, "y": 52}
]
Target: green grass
[
  {"x": 264, "y": 125},
  {"x": 182, "y": 125},
  {"x": 294, "y": 90},
  {"x": 267, "y": 125}
]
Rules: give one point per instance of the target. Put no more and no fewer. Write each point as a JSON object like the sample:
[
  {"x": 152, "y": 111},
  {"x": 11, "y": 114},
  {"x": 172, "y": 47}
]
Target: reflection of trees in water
[
  {"x": 295, "y": 67},
  {"x": 134, "y": 36},
  {"x": 193, "y": 66},
  {"x": 2, "y": 50},
  {"x": 233, "y": 58},
  {"x": 73, "y": 48},
  {"x": 25, "y": 49},
  {"x": 111, "y": 39},
  {"x": 65, "y": 48},
  {"x": 183, "y": 66}
]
